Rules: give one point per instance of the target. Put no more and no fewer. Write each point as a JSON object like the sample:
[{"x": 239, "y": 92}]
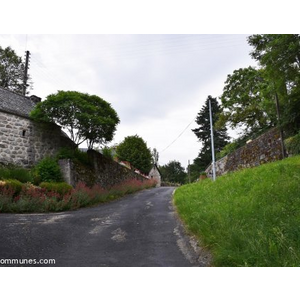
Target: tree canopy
[
  {"x": 279, "y": 56},
  {"x": 85, "y": 117},
  {"x": 134, "y": 150},
  {"x": 173, "y": 172},
  {"x": 12, "y": 71},
  {"x": 203, "y": 133},
  {"x": 246, "y": 101}
]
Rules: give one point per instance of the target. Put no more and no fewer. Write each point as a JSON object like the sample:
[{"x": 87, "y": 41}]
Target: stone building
[
  {"x": 22, "y": 141},
  {"x": 155, "y": 174}
]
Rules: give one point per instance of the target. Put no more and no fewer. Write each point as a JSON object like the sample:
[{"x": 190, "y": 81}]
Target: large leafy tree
[
  {"x": 85, "y": 117},
  {"x": 203, "y": 133},
  {"x": 173, "y": 172},
  {"x": 12, "y": 70},
  {"x": 247, "y": 101},
  {"x": 279, "y": 55},
  {"x": 134, "y": 150}
]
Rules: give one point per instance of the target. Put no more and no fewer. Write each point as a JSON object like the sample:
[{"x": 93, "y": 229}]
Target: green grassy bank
[{"x": 247, "y": 218}]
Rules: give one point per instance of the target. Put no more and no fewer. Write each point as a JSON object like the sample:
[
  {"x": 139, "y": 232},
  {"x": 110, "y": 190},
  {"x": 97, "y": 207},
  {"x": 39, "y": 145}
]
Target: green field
[{"x": 247, "y": 218}]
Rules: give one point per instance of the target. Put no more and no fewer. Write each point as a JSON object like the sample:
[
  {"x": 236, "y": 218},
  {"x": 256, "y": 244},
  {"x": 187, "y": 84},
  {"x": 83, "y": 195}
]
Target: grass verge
[{"x": 247, "y": 218}]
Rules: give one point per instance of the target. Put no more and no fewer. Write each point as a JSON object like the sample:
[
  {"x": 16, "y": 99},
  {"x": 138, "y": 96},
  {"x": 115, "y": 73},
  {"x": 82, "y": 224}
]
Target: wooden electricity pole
[{"x": 26, "y": 72}]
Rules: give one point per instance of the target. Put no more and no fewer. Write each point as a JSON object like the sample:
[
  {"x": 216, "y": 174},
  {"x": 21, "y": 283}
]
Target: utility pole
[
  {"x": 26, "y": 72},
  {"x": 212, "y": 142},
  {"x": 189, "y": 172},
  {"x": 283, "y": 152}
]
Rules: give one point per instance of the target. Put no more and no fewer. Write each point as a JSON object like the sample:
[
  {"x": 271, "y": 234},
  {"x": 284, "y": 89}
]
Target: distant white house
[{"x": 155, "y": 174}]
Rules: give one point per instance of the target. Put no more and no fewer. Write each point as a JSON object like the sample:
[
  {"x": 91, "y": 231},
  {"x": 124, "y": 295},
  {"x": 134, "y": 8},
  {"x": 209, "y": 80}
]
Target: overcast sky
[{"x": 156, "y": 83}]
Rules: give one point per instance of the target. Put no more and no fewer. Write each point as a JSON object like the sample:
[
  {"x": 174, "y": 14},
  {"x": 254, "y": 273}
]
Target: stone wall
[
  {"x": 155, "y": 175},
  {"x": 101, "y": 170},
  {"x": 264, "y": 149},
  {"x": 46, "y": 140},
  {"x": 24, "y": 142}
]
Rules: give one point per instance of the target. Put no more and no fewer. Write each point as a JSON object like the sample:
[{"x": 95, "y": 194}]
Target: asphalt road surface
[{"x": 139, "y": 230}]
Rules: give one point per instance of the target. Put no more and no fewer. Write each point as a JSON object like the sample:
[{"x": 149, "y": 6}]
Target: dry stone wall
[
  {"x": 101, "y": 170},
  {"x": 264, "y": 149},
  {"x": 24, "y": 142}
]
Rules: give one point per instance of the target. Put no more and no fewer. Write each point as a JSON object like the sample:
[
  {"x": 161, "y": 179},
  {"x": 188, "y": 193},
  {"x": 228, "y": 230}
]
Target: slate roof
[{"x": 15, "y": 103}]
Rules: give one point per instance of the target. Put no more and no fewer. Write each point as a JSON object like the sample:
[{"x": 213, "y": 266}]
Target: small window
[{"x": 23, "y": 133}]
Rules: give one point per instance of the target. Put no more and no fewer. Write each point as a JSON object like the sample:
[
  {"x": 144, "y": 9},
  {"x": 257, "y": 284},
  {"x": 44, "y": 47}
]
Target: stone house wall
[
  {"x": 24, "y": 142},
  {"x": 154, "y": 174},
  {"x": 266, "y": 148},
  {"x": 102, "y": 171}
]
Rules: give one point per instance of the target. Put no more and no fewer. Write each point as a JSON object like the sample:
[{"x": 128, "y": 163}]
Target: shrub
[
  {"x": 229, "y": 148},
  {"x": 74, "y": 154},
  {"x": 293, "y": 144},
  {"x": 20, "y": 174},
  {"x": 48, "y": 170},
  {"x": 61, "y": 188},
  {"x": 4, "y": 173},
  {"x": 36, "y": 178},
  {"x": 51, "y": 196},
  {"x": 83, "y": 195},
  {"x": 12, "y": 172},
  {"x": 82, "y": 157},
  {"x": 64, "y": 153},
  {"x": 107, "y": 152},
  {"x": 12, "y": 185},
  {"x": 37, "y": 199}
]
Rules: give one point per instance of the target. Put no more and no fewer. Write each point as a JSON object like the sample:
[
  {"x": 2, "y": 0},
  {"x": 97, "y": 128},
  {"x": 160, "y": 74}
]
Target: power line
[
  {"x": 147, "y": 42},
  {"x": 179, "y": 135},
  {"x": 147, "y": 48},
  {"x": 45, "y": 72}
]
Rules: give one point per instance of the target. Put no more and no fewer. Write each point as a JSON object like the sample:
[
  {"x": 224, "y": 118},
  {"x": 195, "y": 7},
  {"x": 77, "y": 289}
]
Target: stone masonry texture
[
  {"x": 24, "y": 142},
  {"x": 266, "y": 148},
  {"x": 101, "y": 171}
]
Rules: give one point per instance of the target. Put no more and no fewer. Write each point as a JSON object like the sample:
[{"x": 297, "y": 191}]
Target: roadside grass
[
  {"x": 53, "y": 197},
  {"x": 247, "y": 218}
]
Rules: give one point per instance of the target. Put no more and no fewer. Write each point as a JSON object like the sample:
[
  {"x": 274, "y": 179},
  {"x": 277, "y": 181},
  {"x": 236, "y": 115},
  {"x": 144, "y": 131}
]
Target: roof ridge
[
  {"x": 15, "y": 103},
  {"x": 8, "y": 90}
]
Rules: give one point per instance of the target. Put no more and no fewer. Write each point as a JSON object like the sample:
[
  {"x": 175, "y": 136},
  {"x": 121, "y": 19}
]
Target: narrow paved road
[{"x": 138, "y": 230}]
